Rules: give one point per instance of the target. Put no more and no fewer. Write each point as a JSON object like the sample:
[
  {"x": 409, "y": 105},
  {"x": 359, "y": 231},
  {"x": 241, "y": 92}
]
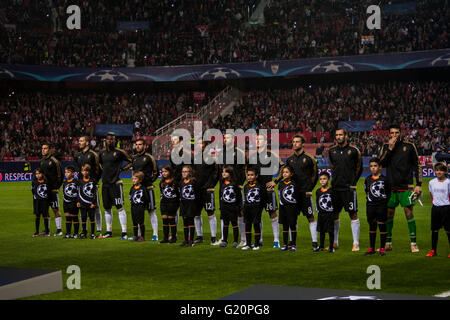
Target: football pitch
[{"x": 115, "y": 269}]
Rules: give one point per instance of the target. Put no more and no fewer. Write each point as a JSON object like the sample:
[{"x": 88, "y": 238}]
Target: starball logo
[{"x": 225, "y": 153}]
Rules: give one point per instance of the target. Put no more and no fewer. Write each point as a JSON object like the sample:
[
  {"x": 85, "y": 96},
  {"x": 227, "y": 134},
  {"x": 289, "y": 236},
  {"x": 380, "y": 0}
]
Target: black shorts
[
  {"x": 252, "y": 214},
  {"x": 306, "y": 205},
  {"x": 40, "y": 207},
  {"x": 112, "y": 195},
  {"x": 229, "y": 213},
  {"x": 151, "y": 197},
  {"x": 288, "y": 214},
  {"x": 345, "y": 199},
  {"x": 86, "y": 212},
  {"x": 440, "y": 217},
  {"x": 53, "y": 198},
  {"x": 325, "y": 222},
  {"x": 169, "y": 209},
  {"x": 272, "y": 203},
  {"x": 138, "y": 215},
  {"x": 376, "y": 214},
  {"x": 70, "y": 208},
  {"x": 208, "y": 200}
]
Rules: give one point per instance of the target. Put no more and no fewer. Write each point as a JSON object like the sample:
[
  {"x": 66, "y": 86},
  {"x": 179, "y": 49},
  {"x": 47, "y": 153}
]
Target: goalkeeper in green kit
[{"x": 401, "y": 160}]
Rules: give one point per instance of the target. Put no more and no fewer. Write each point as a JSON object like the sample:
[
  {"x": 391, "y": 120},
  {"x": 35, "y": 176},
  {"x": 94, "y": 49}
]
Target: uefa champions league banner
[{"x": 328, "y": 65}]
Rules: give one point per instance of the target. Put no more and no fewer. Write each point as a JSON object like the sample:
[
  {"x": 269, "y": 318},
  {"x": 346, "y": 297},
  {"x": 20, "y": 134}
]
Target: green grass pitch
[{"x": 114, "y": 269}]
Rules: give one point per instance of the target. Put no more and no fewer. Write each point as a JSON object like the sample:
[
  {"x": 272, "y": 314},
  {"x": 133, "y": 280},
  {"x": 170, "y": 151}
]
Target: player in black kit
[
  {"x": 51, "y": 168},
  {"x": 139, "y": 199},
  {"x": 378, "y": 191},
  {"x": 90, "y": 157},
  {"x": 346, "y": 168},
  {"x": 254, "y": 203},
  {"x": 145, "y": 163},
  {"x": 112, "y": 189},
  {"x": 40, "y": 190},
  {"x": 169, "y": 204},
  {"x": 190, "y": 203},
  {"x": 70, "y": 199},
  {"x": 288, "y": 194},
  {"x": 87, "y": 199},
  {"x": 324, "y": 206}
]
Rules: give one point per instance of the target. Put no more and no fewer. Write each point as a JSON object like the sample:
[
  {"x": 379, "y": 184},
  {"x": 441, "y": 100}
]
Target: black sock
[
  {"x": 293, "y": 236},
  {"x": 285, "y": 234},
  {"x": 46, "y": 224},
  {"x": 383, "y": 233},
  {"x": 37, "y": 222},
  {"x": 225, "y": 233},
  {"x": 92, "y": 226},
  {"x": 236, "y": 233},
  {"x": 68, "y": 224},
  {"x": 191, "y": 232},
  {"x": 166, "y": 228},
  {"x": 76, "y": 224},
  {"x": 257, "y": 227},
  {"x": 372, "y": 233},
  {"x": 186, "y": 233},
  {"x": 83, "y": 222},
  {"x": 434, "y": 240},
  {"x": 135, "y": 230},
  {"x": 173, "y": 227},
  {"x": 331, "y": 238},
  {"x": 248, "y": 234},
  {"x": 142, "y": 227},
  {"x": 322, "y": 239}
]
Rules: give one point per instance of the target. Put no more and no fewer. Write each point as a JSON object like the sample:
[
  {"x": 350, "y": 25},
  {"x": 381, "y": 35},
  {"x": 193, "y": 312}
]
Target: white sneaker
[
  {"x": 58, "y": 234},
  {"x": 216, "y": 243},
  {"x": 256, "y": 248},
  {"x": 246, "y": 248},
  {"x": 241, "y": 244}
]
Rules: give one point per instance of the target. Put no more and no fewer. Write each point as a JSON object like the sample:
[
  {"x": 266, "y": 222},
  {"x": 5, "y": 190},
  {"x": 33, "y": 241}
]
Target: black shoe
[
  {"x": 331, "y": 250},
  {"x": 82, "y": 236},
  {"x": 67, "y": 236},
  {"x": 173, "y": 240},
  {"x": 284, "y": 248},
  {"x": 93, "y": 236},
  {"x": 198, "y": 240},
  {"x": 191, "y": 244},
  {"x": 184, "y": 244},
  {"x": 316, "y": 249},
  {"x": 164, "y": 241}
]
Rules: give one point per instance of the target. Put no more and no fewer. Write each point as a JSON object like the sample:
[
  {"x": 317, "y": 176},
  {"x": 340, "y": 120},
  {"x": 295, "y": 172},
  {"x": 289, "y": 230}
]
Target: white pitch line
[{"x": 443, "y": 294}]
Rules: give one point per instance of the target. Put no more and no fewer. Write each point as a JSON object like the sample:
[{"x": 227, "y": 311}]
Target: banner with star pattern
[{"x": 328, "y": 65}]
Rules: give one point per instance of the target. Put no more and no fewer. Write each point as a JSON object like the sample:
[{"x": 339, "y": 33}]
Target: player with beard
[
  {"x": 401, "y": 160},
  {"x": 206, "y": 177},
  {"x": 346, "y": 168},
  {"x": 112, "y": 188},
  {"x": 266, "y": 180},
  {"x": 145, "y": 162},
  {"x": 52, "y": 170},
  {"x": 90, "y": 157},
  {"x": 239, "y": 160},
  {"x": 305, "y": 177}
]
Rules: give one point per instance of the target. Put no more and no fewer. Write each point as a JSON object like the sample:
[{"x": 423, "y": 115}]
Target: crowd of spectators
[
  {"x": 421, "y": 107},
  {"x": 207, "y": 32},
  {"x": 28, "y": 118}
]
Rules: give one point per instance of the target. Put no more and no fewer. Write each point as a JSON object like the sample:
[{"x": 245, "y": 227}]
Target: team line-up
[{"x": 188, "y": 189}]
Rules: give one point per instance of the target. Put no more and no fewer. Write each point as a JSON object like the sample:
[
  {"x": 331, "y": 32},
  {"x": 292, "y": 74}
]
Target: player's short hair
[
  {"x": 140, "y": 139},
  {"x": 85, "y": 137},
  {"x": 395, "y": 126},
  {"x": 376, "y": 160},
  {"x": 47, "y": 143},
  {"x": 441, "y": 166},
  {"x": 298, "y": 135},
  {"x": 86, "y": 167},
  {"x": 325, "y": 173},
  {"x": 70, "y": 168},
  {"x": 345, "y": 131},
  {"x": 139, "y": 174},
  {"x": 254, "y": 170}
]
